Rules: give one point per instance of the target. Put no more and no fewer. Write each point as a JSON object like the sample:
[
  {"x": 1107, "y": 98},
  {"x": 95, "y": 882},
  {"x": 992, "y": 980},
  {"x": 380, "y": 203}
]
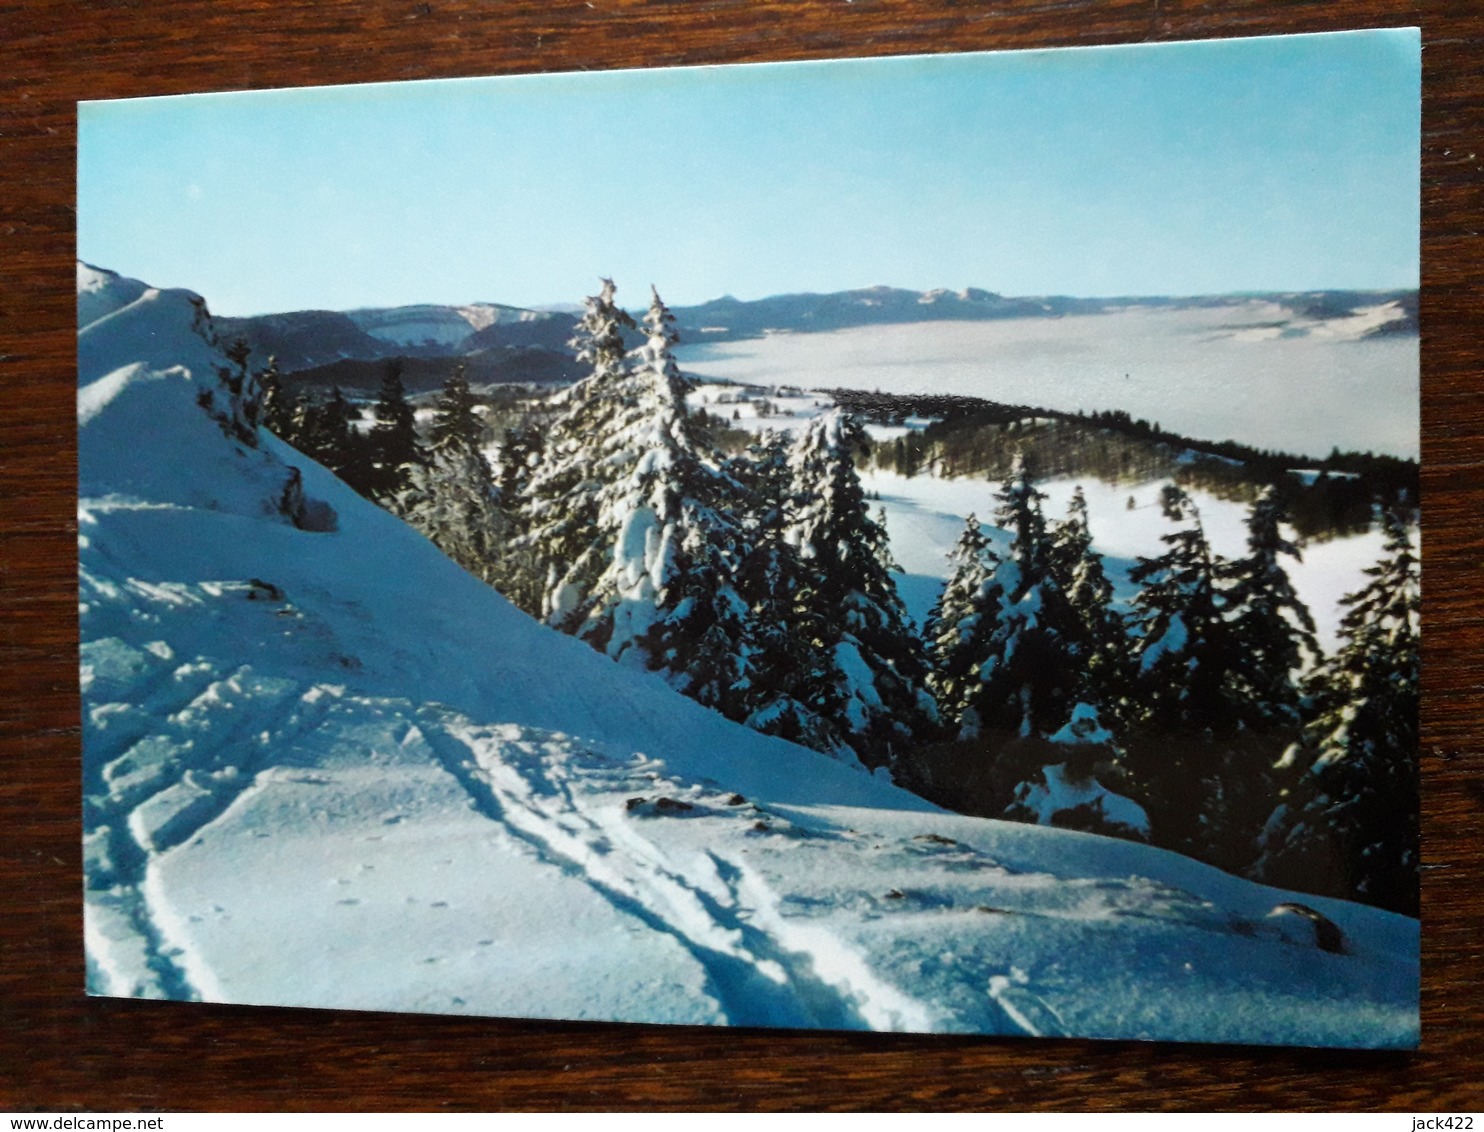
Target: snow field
[{"x": 758, "y": 409}]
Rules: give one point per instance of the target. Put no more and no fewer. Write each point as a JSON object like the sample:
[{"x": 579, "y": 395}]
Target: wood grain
[{"x": 61, "y": 1051}]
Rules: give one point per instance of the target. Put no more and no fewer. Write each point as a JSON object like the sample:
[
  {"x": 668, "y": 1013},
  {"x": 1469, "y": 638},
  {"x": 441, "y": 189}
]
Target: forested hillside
[{"x": 748, "y": 569}]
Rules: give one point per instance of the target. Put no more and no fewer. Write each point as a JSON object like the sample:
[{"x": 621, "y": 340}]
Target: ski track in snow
[
  {"x": 154, "y": 786},
  {"x": 568, "y": 802},
  {"x": 573, "y": 808},
  {"x": 162, "y": 765}
]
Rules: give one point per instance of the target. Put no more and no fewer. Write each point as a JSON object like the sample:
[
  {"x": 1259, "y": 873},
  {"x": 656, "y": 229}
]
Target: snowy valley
[{"x": 324, "y": 765}]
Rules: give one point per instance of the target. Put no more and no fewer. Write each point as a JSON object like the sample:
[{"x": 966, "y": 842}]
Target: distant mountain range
[
  {"x": 500, "y": 343},
  {"x": 728, "y": 318}
]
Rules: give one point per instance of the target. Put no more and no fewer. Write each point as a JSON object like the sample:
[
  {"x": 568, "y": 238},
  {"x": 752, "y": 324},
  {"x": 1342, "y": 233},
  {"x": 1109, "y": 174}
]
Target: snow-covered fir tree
[
  {"x": 794, "y": 694},
  {"x": 1017, "y": 671},
  {"x": 451, "y": 497},
  {"x": 279, "y": 404},
  {"x": 1098, "y": 632},
  {"x": 519, "y": 574},
  {"x": 560, "y": 506},
  {"x": 1183, "y": 650},
  {"x": 671, "y": 547},
  {"x": 629, "y": 520},
  {"x": 245, "y": 395},
  {"x": 868, "y": 658},
  {"x": 1348, "y": 826},
  {"x": 599, "y": 337},
  {"x": 1032, "y": 674},
  {"x": 302, "y": 412},
  {"x": 1028, "y": 678},
  {"x": 959, "y": 628},
  {"x": 1185, "y": 741},
  {"x": 235, "y": 402},
  {"x": 1081, "y": 784},
  {"x": 1273, "y": 626}
]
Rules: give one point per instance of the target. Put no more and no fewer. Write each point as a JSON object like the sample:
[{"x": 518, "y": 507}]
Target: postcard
[{"x": 922, "y": 544}]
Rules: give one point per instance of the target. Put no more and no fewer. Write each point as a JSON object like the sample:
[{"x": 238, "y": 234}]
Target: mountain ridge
[{"x": 507, "y": 342}]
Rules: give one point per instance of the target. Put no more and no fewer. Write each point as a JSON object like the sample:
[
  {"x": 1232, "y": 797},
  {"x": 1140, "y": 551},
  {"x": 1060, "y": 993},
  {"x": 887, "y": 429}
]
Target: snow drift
[{"x": 323, "y": 766}]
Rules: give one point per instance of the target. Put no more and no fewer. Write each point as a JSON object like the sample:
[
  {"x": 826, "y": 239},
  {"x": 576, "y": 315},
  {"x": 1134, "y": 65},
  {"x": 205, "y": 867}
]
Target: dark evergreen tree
[
  {"x": 1213, "y": 720},
  {"x": 1273, "y": 626},
  {"x": 393, "y": 445},
  {"x": 1183, "y": 650},
  {"x": 325, "y": 431},
  {"x": 1032, "y": 675},
  {"x": 456, "y": 423},
  {"x": 793, "y": 694},
  {"x": 280, "y": 406},
  {"x": 1098, "y": 633},
  {"x": 1015, "y": 663},
  {"x": 869, "y": 659},
  {"x": 332, "y": 424},
  {"x": 451, "y": 497},
  {"x": 1348, "y": 826}
]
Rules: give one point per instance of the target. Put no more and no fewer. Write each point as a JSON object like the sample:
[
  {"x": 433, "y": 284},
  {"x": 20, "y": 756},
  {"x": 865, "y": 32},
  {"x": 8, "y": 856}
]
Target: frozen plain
[{"x": 1249, "y": 371}]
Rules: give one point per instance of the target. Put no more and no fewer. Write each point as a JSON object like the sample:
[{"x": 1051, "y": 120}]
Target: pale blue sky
[{"x": 1196, "y": 168}]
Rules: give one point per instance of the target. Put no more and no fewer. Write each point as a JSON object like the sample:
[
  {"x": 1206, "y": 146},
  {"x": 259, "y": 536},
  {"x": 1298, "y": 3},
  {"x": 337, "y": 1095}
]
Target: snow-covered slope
[
  {"x": 327, "y": 767},
  {"x": 100, "y": 291}
]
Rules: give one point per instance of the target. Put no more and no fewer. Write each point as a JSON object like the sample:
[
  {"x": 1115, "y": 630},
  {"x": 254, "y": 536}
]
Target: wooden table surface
[{"x": 60, "y": 1050}]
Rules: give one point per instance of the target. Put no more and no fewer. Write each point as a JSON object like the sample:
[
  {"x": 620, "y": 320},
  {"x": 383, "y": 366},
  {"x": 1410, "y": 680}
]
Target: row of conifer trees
[{"x": 760, "y": 585}]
